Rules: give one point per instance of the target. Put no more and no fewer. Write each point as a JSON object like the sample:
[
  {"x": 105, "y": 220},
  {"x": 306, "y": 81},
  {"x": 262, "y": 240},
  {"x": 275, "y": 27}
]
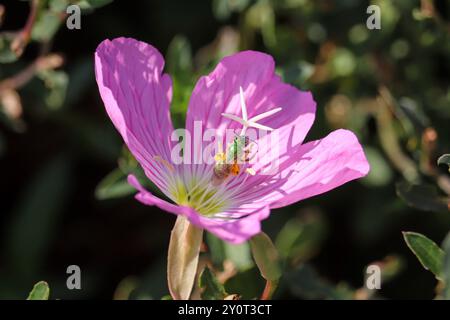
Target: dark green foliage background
[{"x": 53, "y": 158}]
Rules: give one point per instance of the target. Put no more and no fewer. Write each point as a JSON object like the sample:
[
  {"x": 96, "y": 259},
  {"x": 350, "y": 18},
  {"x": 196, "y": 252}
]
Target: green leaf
[
  {"x": 56, "y": 82},
  {"x": 222, "y": 9},
  {"x": 266, "y": 257},
  {"x": 184, "y": 250},
  {"x": 58, "y": 5},
  {"x": 429, "y": 254},
  {"x": 297, "y": 73},
  {"x": 179, "y": 64},
  {"x": 423, "y": 197},
  {"x": 46, "y": 26},
  {"x": 444, "y": 159},
  {"x": 380, "y": 172},
  {"x": 114, "y": 185},
  {"x": 6, "y": 54},
  {"x": 239, "y": 255},
  {"x": 300, "y": 238},
  {"x": 248, "y": 284},
  {"x": 212, "y": 288},
  {"x": 446, "y": 266},
  {"x": 179, "y": 56},
  {"x": 261, "y": 17},
  {"x": 92, "y": 4},
  {"x": 40, "y": 291}
]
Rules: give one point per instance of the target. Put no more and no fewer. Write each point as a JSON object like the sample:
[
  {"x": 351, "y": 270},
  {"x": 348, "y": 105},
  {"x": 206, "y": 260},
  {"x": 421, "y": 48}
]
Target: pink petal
[
  {"x": 137, "y": 97},
  {"x": 254, "y": 71},
  {"x": 233, "y": 231},
  {"x": 311, "y": 169}
]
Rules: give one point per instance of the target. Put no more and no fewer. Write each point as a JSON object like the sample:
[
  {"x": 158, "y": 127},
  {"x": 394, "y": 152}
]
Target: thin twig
[
  {"x": 46, "y": 62},
  {"x": 23, "y": 37}
]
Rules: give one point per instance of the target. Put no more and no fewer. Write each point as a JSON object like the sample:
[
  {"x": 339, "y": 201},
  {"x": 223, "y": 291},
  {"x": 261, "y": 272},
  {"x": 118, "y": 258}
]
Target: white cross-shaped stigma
[{"x": 252, "y": 122}]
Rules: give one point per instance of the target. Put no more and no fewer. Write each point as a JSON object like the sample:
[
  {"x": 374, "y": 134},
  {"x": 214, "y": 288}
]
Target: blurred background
[{"x": 64, "y": 199}]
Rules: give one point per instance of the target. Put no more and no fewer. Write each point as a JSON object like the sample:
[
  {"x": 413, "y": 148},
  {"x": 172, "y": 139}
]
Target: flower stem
[{"x": 269, "y": 289}]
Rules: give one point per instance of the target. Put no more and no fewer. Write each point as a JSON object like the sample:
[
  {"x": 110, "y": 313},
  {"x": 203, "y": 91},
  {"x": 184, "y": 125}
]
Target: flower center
[
  {"x": 200, "y": 195},
  {"x": 209, "y": 195}
]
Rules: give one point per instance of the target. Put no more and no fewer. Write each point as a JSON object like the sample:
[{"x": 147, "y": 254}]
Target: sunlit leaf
[
  {"x": 266, "y": 256},
  {"x": 40, "y": 291},
  {"x": 429, "y": 254}
]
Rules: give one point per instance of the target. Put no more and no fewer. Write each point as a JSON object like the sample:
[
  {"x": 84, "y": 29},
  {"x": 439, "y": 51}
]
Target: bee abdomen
[{"x": 221, "y": 171}]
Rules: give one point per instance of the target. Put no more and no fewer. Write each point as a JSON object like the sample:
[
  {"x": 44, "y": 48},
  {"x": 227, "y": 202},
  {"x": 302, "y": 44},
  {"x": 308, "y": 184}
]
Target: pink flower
[{"x": 137, "y": 96}]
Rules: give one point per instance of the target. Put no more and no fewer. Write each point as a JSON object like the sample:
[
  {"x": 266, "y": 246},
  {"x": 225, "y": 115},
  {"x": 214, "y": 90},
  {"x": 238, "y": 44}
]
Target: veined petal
[
  {"x": 137, "y": 96},
  {"x": 232, "y": 230},
  {"x": 263, "y": 91},
  {"x": 310, "y": 169}
]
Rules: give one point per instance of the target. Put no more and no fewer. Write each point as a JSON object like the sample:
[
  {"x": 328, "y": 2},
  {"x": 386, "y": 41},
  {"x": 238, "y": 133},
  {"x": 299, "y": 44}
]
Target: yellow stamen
[{"x": 220, "y": 157}]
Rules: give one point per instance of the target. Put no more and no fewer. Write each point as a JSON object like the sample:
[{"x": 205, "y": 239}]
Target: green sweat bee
[{"x": 228, "y": 163}]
